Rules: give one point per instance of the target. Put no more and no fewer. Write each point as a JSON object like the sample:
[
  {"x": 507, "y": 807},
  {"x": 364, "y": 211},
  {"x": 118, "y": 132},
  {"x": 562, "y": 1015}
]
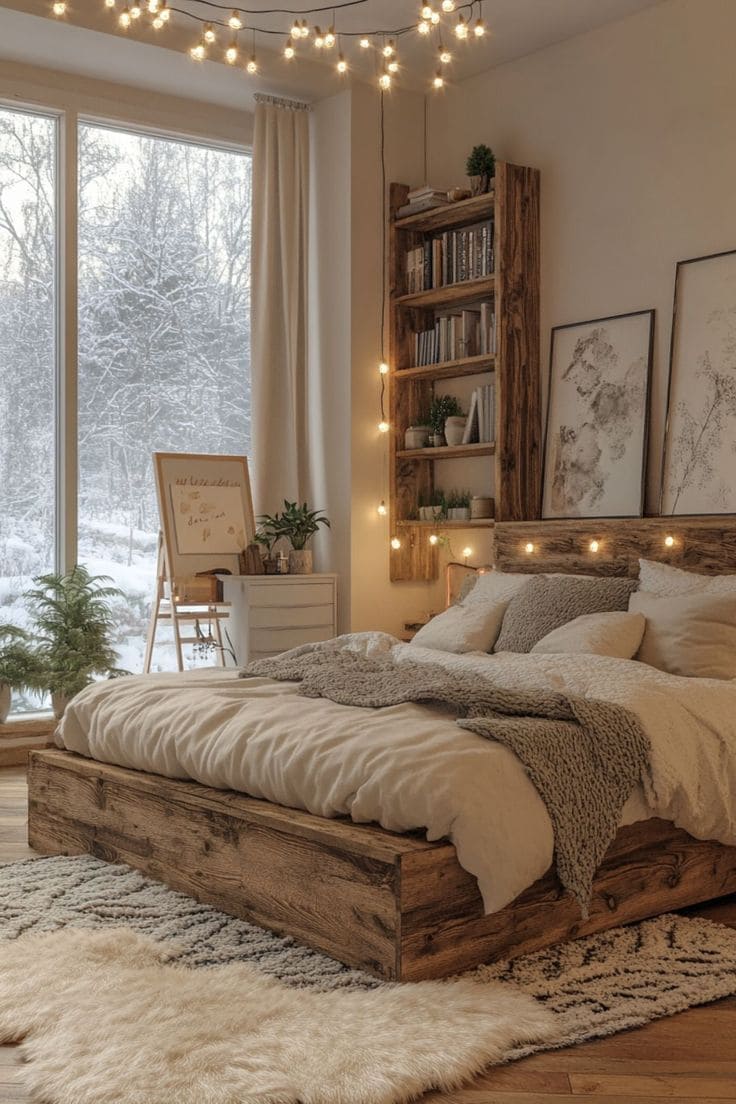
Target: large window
[
  {"x": 162, "y": 235},
  {"x": 27, "y": 358}
]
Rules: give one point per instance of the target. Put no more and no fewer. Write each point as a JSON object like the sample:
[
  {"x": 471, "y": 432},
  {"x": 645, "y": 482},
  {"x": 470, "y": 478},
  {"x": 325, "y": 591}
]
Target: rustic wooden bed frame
[{"x": 391, "y": 904}]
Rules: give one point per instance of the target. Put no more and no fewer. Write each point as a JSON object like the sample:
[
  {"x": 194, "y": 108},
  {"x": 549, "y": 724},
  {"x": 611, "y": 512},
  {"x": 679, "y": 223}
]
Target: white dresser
[{"x": 270, "y": 613}]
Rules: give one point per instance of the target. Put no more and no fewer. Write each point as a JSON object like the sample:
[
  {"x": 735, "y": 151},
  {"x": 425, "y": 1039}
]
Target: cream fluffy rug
[{"x": 107, "y": 1019}]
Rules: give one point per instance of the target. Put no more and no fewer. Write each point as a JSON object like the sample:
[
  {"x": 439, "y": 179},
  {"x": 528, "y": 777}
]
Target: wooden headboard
[{"x": 705, "y": 544}]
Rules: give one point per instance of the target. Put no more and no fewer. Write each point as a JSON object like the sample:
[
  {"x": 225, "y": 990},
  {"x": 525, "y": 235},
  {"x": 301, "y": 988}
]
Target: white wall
[{"x": 633, "y": 127}]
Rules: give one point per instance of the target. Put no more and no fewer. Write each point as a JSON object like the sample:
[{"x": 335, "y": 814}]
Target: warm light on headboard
[
  {"x": 529, "y": 548},
  {"x": 669, "y": 541}
]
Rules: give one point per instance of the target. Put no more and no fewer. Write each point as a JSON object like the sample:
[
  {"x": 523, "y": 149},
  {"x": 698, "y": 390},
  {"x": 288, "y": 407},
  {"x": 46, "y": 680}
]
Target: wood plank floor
[{"x": 685, "y": 1059}]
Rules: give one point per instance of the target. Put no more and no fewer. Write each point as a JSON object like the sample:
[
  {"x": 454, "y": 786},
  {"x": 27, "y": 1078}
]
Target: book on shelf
[
  {"x": 422, "y": 199},
  {"x": 452, "y": 257},
  {"x": 458, "y": 335},
  {"x": 480, "y": 425}
]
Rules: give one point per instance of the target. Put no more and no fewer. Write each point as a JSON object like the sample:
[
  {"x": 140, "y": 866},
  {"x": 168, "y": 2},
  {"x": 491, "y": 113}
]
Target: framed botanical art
[
  {"x": 699, "y": 470},
  {"x": 598, "y": 417}
]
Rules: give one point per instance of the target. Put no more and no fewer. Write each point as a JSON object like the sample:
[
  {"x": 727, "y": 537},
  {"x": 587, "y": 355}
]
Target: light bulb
[
  {"x": 153, "y": 6},
  {"x": 164, "y": 13},
  {"x": 252, "y": 66},
  {"x": 439, "y": 80},
  {"x": 395, "y": 543},
  {"x": 433, "y": 539},
  {"x": 59, "y": 7},
  {"x": 342, "y": 65},
  {"x": 383, "y": 427},
  {"x": 434, "y": 18},
  {"x": 305, "y": 29},
  {"x": 424, "y": 27},
  {"x": 427, "y": 11},
  {"x": 381, "y": 509},
  {"x": 444, "y": 55},
  {"x": 158, "y": 23},
  {"x": 124, "y": 18},
  {"x": 669, "y": 541},
  {"x": 209, "y": 33},
  {"x": 384, "y": 81},
  {"x": 529, "y": 548},
  {"x": 235, "y": 23},
  {"x": 467, "y": 553},
  {"x": 365, "y": 43},
  {"x": 383, "y": 368},
  {"x": 479, "y": 29},
  {"x": 109, "y": 3},
  {"x": 393, "y": 66},
  {"x": 198, "y": 52},
  {"x": 289, "y": 50},
  {"x": 389, "y": 49},
  {"x": 296, "y": 29},
  {"x": 461, "y": 27},
  {"x": 594, "y": 546},
  {"x": 135, "y": 11},
  {"x": 319, "y": 38},
  {"x": 330, "y": 39},
  {"x": 448, "y": 5},
  {"x": 231, "y": 54}
]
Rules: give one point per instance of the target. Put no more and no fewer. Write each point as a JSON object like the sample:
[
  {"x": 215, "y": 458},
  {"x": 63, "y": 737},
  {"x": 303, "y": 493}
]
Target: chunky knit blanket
[{"x": 583, "y": 756}]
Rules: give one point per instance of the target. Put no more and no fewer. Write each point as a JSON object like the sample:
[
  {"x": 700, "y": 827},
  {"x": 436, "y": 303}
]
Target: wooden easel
[{"x": 166, "y": 608}]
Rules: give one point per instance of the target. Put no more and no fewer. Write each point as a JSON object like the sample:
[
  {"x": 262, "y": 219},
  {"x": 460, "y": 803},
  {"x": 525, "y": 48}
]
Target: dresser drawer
[
  {"x": 279, "y": 617},
  {"x": 280, "y": 640},
  {"x": 291, "y": 594}
]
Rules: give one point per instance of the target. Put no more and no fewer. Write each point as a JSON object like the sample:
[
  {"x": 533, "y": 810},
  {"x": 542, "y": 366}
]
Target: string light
[
  {"x": 529, "y": 548},
  {"x": 305, "y": 29},
  {"x": 135, "y": 11},
  {"x": 124, "y": 19},
  {"x": 594, "y": 546},
  {"x": 479, "y": 29},
  {"x": 444, "y": 55},
  {"x": 158, "y": 23},
  {"x": 289, "y": 50},
  {"x": 393, "y": 66},
  {"x": 389, "y": 49},
  {"x": 384, "y": 81},
  {"x": 365, "y": 43},
  {"x": 395, "y": 543},
  {"x": 153, "y": 6},
  {"x": 59, "y": 7},
  {"x": 164, "y": 13},
  {"x": 669, "y": 541},
  {"x": 467, "y": 553},
  {"x": 252, "y": 66},
  {"x": 198, "y": 52},
  {"x": 330, "y": 38},
  {"x": 342, "y": 65},
  {"x": 439, "y": 80},
  {"x": 461, "y": 27},
  {"x": 448, "y": 6},
  {"x": 434, "y": 18},
  {"x": 209, "y": 33},
  {"x": 424, "y": 27},
  {"x": 383, "y": 427},
  {"x": 235, "y": 23},
  {"x": 427, "y": 11},
  {"x": 319, "y": 38},
  {"x": 383, "y": 368},
  {"x": 296, "y": 29},
  {"x": 109, "y": 3},
  {"x": 381, "y": 509},
  {"x": 231, "y": 54},
  {"x": 433, "y": 538}
]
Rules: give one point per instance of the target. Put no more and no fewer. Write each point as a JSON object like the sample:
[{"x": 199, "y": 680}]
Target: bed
[{"x": 386, "y": 901}]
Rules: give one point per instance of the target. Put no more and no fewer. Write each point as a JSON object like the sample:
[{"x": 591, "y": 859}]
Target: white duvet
[{"x": 411, "y": 767}]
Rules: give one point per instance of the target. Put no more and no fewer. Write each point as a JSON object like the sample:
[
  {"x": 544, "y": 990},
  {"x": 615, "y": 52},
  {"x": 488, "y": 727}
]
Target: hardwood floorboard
[{"x": 685, "y": 1059}]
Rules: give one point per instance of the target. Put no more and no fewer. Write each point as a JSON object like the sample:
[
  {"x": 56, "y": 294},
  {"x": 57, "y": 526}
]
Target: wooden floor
[{"x": 690, "y": 1058}]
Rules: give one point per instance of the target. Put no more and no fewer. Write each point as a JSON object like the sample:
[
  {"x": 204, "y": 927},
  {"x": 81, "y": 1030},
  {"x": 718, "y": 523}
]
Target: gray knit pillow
[{"x": 549, "y": 601}]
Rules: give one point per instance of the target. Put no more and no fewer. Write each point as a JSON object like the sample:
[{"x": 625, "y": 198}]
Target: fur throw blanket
[{"x": 584, "y": 757}]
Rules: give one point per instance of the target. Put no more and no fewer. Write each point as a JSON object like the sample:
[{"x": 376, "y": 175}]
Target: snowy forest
[{"x": 163, "y": 344}]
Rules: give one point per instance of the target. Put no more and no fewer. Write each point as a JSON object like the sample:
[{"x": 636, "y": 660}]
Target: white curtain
[{"x": 280, "y": 414}]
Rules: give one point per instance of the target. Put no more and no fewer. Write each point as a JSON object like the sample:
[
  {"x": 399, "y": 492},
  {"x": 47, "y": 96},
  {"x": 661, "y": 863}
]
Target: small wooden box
[{"x": 197, "y": 589}]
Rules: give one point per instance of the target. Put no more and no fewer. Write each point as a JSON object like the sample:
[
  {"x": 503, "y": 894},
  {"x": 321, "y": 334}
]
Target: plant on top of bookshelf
[
  {"x": 480, "y": 167},
  {"x": 442, "y": 408}
]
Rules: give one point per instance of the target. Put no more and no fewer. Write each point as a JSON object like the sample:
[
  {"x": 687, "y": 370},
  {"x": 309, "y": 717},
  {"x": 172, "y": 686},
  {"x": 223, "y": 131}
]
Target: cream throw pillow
[
  {"x": 694, "y": 635},
  {"x": 665, "y": 581},
  {"x": 617, "y": 635},
  {"x": 474, "y": 623}
]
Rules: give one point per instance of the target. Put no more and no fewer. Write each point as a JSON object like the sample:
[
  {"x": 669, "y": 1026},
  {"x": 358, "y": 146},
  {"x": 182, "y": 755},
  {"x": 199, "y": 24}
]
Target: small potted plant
[
  {"x": 266, "y": 535},
  {"x": 442, "y": 408},
  {"x": 480, "y": 167},
  {"x": 438, "y": 509},
  {"x": 18, "y": 666},
  {"x": 72, "y": 619},
  {"x": 299, "y": 524}
]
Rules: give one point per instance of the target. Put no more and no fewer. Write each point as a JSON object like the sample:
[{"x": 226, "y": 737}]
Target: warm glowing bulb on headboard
[
  {"x": 395, "y": 543},
  {"x": 433, "y": 539},
  {"x": 529, "y": 548},
  {"x": 467, "y": 553},
  {"x": 669, "y": 541},
  {"x": 594, "y": 546}
]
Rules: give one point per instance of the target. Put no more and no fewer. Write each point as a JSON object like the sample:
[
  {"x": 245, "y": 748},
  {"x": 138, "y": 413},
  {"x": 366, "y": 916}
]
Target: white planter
[
  {"x": 454, "y": 430},
  {"x": 300, "y": 561},
  {"x": 4, "y": 702},
  {"x": 416, "y": 437},
  {"x": 459, "y": 513}
]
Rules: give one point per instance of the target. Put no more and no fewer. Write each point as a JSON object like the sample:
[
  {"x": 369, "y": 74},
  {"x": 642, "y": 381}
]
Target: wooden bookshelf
[{"x": 513, "y": 461}]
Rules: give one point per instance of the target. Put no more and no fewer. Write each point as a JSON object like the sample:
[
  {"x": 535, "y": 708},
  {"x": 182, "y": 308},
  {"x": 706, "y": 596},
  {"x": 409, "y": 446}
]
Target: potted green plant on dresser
[
  {"x": 18, "y": 666},
  {"x": 299, "y": 524},
  {"x": 73, "y": 620}
]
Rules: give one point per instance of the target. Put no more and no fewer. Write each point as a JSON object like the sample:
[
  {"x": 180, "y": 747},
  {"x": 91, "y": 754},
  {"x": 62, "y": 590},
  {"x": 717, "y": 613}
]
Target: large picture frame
[
  {"x": 206, "y": 511},
  {"x": 598, "y": 417},
  {"x": 699, "y": 463}
]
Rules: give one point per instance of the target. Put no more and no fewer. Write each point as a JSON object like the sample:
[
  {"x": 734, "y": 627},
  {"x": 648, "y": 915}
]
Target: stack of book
[
  {"x": 481, "y": 423},
  {"x": 466, "y": 333},
  {"x": 422, "y": 199},
  {"x": 451, "y": 258}
]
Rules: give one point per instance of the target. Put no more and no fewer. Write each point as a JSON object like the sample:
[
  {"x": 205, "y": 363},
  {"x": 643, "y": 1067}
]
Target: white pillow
[
  {"x": 693, "y": 635},
  {"x": 608, "y": 634},
  {"x": 473, "y": 624},
  {"x": 670, "y": 582}
]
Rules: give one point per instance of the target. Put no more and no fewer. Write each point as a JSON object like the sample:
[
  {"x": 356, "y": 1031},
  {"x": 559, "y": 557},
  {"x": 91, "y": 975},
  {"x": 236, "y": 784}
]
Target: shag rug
[{"x": 125, "y": 992}]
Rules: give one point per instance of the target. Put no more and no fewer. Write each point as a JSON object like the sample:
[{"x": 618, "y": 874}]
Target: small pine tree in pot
[
  {"x": 480, "y": 167},
  {"x": 72, "y": 623},
  {"x": 18, "y": 666}
]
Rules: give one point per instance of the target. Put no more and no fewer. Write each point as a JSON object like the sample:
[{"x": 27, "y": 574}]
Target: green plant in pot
[
  {"x": 442, "y": 408},
  {"x": 18, "y": 666},
  {"x": 480, "y": 167},
  {"x": 299, "y": 524},
  {"x": 73, "y": 620},
  {"x": 267, "y": 534}
]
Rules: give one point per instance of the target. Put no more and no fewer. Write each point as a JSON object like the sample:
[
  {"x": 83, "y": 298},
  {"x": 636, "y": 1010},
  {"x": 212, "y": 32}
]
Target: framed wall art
[
  {"x": 598, "y": 417},
  {"x": 699, "y": 468}
]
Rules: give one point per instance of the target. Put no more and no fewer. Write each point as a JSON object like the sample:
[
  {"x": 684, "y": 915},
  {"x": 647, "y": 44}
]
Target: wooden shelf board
[
  {"x": 448, "y": 369},
  {"x": 448, "y": 452},
  {"x": 436, "y": 526},
  {"x": 449, "y": 216},
  {"x": 448, "y": 294}
]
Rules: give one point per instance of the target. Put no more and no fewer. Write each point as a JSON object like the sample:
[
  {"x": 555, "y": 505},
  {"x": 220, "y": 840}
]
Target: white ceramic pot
[
  {"x": 454, "y": 430},
  {"x": 416, "y": 437},
  {"x": 4, "y": 702},
  {"x": 462, "y": 513},
  {"x": 59, "y": 702},
  {"x": 300, "y": 561}
]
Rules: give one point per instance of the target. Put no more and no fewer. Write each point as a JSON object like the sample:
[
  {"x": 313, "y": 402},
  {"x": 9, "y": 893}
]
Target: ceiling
[{"x": 86, "y": 41}]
